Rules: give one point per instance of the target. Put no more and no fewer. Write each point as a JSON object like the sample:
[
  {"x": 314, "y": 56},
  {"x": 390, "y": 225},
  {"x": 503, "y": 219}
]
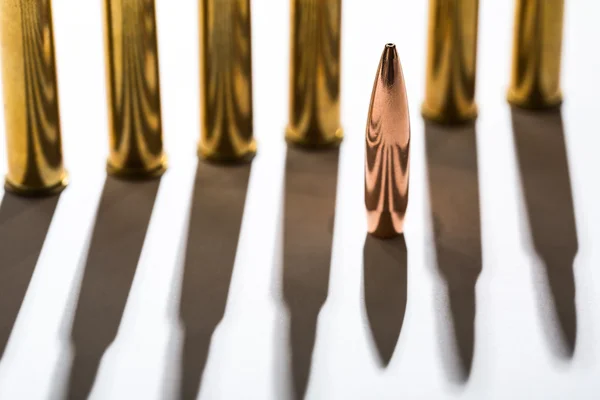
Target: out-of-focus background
[{"x": 514, "y": 325}]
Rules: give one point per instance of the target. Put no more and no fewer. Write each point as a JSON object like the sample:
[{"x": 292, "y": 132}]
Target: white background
[{"x": 249, "y": 345}]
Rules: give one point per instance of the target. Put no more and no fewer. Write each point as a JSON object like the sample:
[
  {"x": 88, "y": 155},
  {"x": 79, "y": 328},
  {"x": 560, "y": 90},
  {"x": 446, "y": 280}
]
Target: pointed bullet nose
[
  {"x": 390, "y": 64},
  {"x": 387, "y": 149},
  {"x": 390, "y": 52}
]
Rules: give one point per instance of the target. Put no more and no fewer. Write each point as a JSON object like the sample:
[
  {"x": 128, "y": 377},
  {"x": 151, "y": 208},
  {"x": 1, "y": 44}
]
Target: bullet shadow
[
  {"x": 120, "y": 228},
  {"x": 452, "y": 174},
  {"x": 542, "y": 159},
  {"x": 385, "y": 264},
  {"x": 24, "y": 223},
  {"x": 216, "y": 216},
  {"x": 309, "y": 209}
]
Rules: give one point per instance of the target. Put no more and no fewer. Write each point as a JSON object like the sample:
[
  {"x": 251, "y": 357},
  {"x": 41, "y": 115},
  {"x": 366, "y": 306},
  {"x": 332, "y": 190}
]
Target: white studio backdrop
[{"x": 514, "y": 355}]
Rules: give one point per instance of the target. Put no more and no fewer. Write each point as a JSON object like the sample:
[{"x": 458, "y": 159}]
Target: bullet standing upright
[
  {"x": 314, "y": 105},
  {"x": 31, "y": 111},
  {"x": 387, "y": 142},
  {"x": 451, "y": 61},
  {"x": 135, "y": 126},
  {"x": 537, "y": 50},
  {"x": 226, "y": 81}
]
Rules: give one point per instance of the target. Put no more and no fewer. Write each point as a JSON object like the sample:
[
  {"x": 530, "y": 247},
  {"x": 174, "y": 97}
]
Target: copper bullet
[
  {"x": 314, "y": 105},
  {"x": 537, "y": 47},
  {"x": 451, "y": 61},
  {"x": 135, "y": 126},
  {"x": 387, "y": 149},
  {"x": 31, "y": 111},
  {"x": 226, "y": 81}
]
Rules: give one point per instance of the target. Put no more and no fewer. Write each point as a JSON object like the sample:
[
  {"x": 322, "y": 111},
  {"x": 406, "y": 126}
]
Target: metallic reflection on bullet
[
  {"x": 451, "y": 61},
  {"x": 31, "y": 111},
  {"x": 135, "y": 127},
  {"x": 537, "y": 46},
  {"x": 387, "y": 149},
  {"x": 314, "y": 119},
  {"x": 226, "y": 81}
]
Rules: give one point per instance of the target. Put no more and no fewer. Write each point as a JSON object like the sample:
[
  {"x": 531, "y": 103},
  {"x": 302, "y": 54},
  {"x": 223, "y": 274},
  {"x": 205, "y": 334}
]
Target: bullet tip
[
  {"x": 389, "y": 59},
  {"x": 390, "y": 52}
]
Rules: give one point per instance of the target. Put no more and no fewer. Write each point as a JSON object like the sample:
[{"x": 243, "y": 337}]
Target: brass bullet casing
[
  {"x": 31, "y": 111},
  {"x": 314, "y": 107},
  {"x": 226, "y": 81},
  {"x": 387, "y": 149},
  {"x": 451, "y": 61},
  {"x": 537, "y": 49},
  {"x": 133, "y": 89}
]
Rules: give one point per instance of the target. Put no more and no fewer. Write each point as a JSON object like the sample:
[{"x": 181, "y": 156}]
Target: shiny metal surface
[
  {"x": 314, "y": 108},
  {"x": 387, "y": 149},
  {"x": 31, "y": 111},
  {"x": 226, "y": 81},
  {"x": 135, "y": 126},
  {"x": 537, "y": 49},
  {"x": 451, "y": 61}
]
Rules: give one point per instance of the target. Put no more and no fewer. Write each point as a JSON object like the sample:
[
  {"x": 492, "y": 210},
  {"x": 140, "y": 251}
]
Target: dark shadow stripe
[
  {"x": 116, "y": 244},
  {"x": 216, "y": 216},
  {"x": 385, "y": 264},
  {"x": 309, "y": 209},
  {"x": 542, "y": 157},
  {"x": 452, "y": 174},
  {"x": 24, "y": 223}
]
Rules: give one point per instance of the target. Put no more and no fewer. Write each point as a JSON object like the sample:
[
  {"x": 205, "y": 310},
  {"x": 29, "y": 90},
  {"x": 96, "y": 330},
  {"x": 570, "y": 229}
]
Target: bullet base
[
  {"x": 533, "y": 102},
  {"x": 221, "y": 158},
  {"x": 385, "y": 224},
  {"x": 136, "y": 173},
  {"x": 36, "y": 192},
  {"x": 293, "y": 138},
  {"x": 448, "y": 118}
]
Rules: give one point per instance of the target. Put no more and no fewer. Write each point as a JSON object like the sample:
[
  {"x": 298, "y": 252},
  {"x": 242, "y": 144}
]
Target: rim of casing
[
  {"x": 36, "y": 192},
  {"x": 293, "y": 139},
  {"x": 444, "y": 119},
  {"x": 137, "y": 173},
  {"x": 528, "y": 104},
  {"x": 219, "y": 158}
]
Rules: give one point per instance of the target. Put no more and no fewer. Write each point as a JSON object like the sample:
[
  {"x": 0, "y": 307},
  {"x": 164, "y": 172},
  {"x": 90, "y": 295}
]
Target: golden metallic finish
[
  {"x": 226, "y": 81},
  {"x": 387, "y": 149},
  {"x": 537, "y": 46},
  {"x": 31, "y": 112},
  {"x": 451, "y": 61},
  {"x": 135, "y": 127},
  {"x": 315, "y": 73}
]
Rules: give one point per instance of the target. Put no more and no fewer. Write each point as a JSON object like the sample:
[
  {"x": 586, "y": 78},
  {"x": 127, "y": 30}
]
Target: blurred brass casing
[
  {"x": 314, "y": 113},
  {"x": 133, "y": 89},
  {"x": 226, "y": 81},
  {"x": 31, "y": 111},
  {"x": 537, "y": 49},
  {"x": 451, "y": 61}
]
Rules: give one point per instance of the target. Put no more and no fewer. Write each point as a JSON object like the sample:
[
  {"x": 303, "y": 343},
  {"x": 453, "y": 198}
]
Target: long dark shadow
[
  {"x": 24, "y": 223},
  {"x": 309, "y": 209},
  {"x": 542, "y": 158},
  {"x": 216, "y": 217},
  {"x": 385, "y": 264},
  {"x": 454, "y": 196},
  {"x": 121, "y": 223}
]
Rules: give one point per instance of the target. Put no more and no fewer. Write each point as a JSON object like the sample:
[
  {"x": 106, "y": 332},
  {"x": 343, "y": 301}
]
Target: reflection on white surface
[{"x": 248, "y": 357}]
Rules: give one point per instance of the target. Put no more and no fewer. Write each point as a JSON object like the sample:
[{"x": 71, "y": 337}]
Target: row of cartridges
[{"x": 33, "y": 137}]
